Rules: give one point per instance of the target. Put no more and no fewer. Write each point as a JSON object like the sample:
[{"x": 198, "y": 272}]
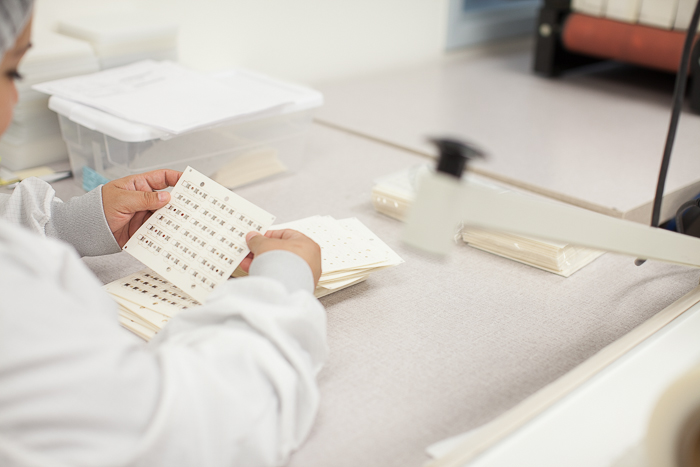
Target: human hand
[
  {"x": 129, "y": 201},
  {"x": 289, "y": 240}
]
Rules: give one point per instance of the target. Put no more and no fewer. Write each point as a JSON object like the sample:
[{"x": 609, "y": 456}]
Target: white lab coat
[{"x": 229, "y": 383}]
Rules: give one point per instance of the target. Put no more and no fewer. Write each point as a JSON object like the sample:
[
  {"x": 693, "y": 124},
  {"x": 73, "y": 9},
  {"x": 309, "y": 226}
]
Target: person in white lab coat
[{"x": 229, "y": 383}]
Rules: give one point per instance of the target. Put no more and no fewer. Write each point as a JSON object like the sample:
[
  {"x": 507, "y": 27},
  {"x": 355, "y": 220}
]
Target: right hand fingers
[
  {"x": 286, "y": 234},
  {"x": 288, "y": 240},
  {"x": 255, "y": 242}
]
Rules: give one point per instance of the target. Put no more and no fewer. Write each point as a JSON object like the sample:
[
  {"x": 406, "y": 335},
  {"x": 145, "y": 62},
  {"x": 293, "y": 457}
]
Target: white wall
[{"x": 304, "y": 40}]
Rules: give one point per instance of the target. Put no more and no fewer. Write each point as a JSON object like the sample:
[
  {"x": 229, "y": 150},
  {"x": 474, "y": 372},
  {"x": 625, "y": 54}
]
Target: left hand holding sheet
[{"x": 128, "y": 202}]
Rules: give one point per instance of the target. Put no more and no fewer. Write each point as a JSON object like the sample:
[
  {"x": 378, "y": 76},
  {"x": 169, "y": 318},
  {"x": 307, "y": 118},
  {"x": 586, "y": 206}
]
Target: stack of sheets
[
  {"x": 560, "y": 258},
  {"x": 350, "y": 252},
  {"x": 197, "y": 241},
  {"x": 393, "y": 195},
  {"x": 144, "y": 93},
  {"x": 147, "y": 301},
  {"x": 34, "y": 137}
]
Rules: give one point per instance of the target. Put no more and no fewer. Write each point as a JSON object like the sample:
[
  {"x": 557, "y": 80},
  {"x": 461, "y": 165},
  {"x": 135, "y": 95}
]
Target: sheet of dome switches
[
  {"x": 343, "y": 249},
  {"x": 198, "y": 239}
]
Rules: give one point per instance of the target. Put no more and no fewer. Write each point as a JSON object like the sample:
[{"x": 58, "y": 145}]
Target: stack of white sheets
[
  {"x": 171, "y": 98},
  {"x": 350, "y": 253},
  {"x": 560, "y": 258},
  {"x": 393, "y": 195},
  {"x": 147, "y": 301}
]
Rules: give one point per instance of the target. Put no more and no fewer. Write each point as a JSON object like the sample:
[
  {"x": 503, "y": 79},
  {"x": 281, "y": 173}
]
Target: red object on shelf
[{"x": 631, "y": 43}]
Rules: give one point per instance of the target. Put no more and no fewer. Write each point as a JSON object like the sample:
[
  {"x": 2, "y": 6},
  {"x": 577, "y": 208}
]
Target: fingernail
[
  {"x": 251, "y": 234},
  {"x": 163, "y": 196}
]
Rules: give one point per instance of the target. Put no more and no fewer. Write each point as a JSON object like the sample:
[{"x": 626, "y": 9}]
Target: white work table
[
  {"x": 431, "y": 348},
  {"x": 593, "y": 138}
]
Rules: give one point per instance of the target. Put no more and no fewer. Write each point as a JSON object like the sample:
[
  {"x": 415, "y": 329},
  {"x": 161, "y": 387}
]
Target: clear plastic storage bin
[{"x": 102, "y": 147}]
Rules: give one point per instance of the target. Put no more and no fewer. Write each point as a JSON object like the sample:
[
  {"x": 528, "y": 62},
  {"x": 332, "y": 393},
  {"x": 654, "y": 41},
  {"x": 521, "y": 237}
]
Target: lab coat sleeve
[
  {"x": 79, "y": 221},
  {"x": 251, "y": 353},
  {"x": 229, "y": 383}
]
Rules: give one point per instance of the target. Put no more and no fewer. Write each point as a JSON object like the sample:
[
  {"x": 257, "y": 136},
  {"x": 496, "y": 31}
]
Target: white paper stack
[
  {"x": 560, "y": 258},
  {"x": 171, "y": 98},
  {"x": 147, "y": 301},
  {"x": 198, "y": 240},
  {"x": 121, "y": 39},
  {"x": 350, "y": 251},
  {"x": 34, "y": 137},
  {"x": 393, "y": 195}
]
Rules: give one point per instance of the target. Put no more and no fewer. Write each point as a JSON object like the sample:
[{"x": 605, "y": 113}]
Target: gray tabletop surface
[{"x": 432, "y": 348}]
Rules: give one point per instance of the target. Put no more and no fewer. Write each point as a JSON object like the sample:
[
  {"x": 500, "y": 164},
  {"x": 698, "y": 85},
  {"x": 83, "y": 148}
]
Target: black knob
[{"x": 454, "y": 155}]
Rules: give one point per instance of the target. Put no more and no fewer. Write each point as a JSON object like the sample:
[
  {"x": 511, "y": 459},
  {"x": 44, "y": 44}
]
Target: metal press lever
[
  {"x": 436, "y": 211},
  {"x": 444, "y": 200}
]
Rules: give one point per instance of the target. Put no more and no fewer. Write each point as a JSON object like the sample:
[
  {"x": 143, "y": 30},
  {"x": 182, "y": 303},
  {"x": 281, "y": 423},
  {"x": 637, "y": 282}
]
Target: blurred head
[{"x": 15, "y": 32}]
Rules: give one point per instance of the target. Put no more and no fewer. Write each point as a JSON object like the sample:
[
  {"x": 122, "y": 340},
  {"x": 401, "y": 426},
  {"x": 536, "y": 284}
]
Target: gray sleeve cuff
[
  {"x": 81, "y": 222},
  {"x": 285, "y": 267}
]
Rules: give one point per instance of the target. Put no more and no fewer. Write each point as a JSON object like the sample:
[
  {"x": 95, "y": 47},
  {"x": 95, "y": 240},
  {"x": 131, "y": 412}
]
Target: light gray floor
[
  {"x": 591, "y": 138},
  {"x": 432, "y": 348}
]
